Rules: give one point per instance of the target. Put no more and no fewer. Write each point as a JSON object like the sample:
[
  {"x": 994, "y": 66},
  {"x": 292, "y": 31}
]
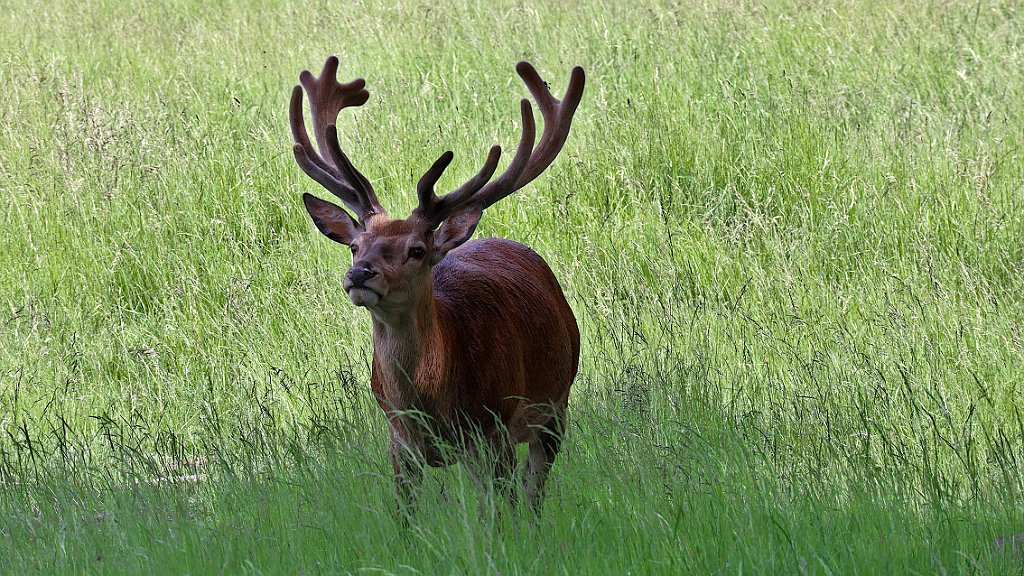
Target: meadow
[{"x": 792, "y": 233}]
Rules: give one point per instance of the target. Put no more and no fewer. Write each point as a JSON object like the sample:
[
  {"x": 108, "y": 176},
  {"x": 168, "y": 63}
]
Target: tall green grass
[{"x": 792, "y": 233}]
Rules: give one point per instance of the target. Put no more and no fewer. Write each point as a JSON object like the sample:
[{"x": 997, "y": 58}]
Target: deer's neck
[{"x": 410, "y": 351}]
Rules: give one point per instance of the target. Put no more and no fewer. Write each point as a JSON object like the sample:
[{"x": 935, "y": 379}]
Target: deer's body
[
  {"x": 493, "y": 351},
  {"x": 475, "y": 346}
]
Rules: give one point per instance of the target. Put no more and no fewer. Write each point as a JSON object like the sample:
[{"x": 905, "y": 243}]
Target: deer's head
[{"x": 392, "y": 258}]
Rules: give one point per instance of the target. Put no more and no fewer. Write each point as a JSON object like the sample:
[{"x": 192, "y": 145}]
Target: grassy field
[{"x": 792, "y": 232}]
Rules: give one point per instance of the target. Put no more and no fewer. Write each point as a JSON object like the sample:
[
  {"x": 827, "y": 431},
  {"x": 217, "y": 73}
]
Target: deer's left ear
[{"x": 455, "y": 230}]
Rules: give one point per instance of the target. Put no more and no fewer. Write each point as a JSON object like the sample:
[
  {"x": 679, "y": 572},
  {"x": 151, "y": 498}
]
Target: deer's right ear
[
  {"x": 454, "y": 231},
  {"x": 334, "y": 222}
]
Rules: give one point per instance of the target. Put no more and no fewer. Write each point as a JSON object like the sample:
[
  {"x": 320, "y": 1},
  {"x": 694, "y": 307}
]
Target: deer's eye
[
  {"x": 417, "y": 252},
  {"x": 354, "y": 248}
]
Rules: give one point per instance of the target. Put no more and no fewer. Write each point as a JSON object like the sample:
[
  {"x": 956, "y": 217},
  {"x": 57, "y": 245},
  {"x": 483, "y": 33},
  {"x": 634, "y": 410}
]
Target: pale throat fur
[{"x": 408, "y": 340}]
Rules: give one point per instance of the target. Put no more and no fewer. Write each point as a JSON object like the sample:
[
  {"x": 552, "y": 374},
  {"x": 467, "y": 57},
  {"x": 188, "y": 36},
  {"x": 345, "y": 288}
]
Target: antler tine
[
  {"x": 505, "y": 184},
  {"x": 557, "y": 118},
  {"x": 367, "y": 199},
  {"x": 327, "y": 97},
  {"x": 299, "y": 133},
  {"x": 313, "y": 167},
  {"x": 460, "y": 195},
  {"x": 425, "y": 187},
  {"x": 437, "y": 209}
]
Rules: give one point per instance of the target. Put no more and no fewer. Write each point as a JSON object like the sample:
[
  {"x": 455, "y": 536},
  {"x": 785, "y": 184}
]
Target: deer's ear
[
  {"x": 455, "y": 230},
  {"x": 334, "y": 222}
]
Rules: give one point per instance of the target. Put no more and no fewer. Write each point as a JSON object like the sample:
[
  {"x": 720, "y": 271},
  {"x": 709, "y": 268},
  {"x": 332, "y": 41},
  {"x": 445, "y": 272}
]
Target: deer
[{"x": 474, "y": 343}]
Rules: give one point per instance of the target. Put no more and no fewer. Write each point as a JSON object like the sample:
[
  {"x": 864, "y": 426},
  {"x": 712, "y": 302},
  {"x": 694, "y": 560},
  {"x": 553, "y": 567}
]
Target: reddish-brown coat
[{"x": 499, "y": 348}]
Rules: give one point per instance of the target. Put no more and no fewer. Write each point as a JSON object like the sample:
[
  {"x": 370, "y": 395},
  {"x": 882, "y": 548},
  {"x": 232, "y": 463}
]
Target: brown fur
[{"x": 496, "y": 346}]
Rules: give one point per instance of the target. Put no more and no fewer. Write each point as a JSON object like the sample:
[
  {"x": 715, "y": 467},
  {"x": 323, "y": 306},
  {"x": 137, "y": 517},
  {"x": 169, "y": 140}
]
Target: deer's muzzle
[{"x": 362, "y": 286}]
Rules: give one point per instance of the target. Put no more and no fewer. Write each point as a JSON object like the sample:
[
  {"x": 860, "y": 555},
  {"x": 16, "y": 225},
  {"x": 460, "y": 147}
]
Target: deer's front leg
[{"x": 408, "y": 468}]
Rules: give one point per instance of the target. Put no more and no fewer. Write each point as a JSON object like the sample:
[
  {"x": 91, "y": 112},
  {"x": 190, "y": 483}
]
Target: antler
[
  {"x": 528, "y": 163},
  {"x": 327, "y": 97}
]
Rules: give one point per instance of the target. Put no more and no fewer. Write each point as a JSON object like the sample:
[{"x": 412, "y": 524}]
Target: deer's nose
[{"x": 360, "y": 274}]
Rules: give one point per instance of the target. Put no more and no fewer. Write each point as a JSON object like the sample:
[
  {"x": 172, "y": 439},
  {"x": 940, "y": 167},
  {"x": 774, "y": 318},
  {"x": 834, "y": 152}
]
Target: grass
[{"x": 792, "y": 233}]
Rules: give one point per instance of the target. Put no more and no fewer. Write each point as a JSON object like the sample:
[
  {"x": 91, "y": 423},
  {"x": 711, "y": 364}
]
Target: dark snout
[
  {"x": 358, "y": 276},
  {"x": 363, "y": 285}
]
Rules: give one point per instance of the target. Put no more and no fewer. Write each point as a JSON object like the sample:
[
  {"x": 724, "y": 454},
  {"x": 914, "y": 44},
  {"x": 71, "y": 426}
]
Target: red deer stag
[{"x": 473, "y": 342}]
